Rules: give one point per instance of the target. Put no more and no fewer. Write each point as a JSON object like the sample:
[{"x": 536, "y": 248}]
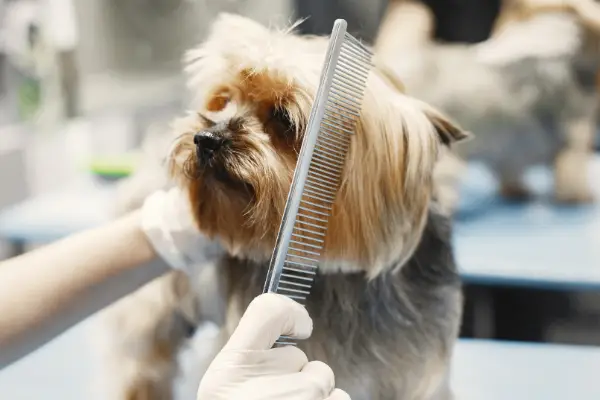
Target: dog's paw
[
  {"x": 146, "y": 389},
  {"x": 571, "y": 180},
  {"x": 516, "y": 192},
  {"x": 579, "y": 197}
]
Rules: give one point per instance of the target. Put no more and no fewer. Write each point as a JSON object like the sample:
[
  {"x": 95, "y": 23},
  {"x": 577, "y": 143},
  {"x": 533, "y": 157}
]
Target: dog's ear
[
  {"x": 448, "y": 131},
  {"x": 389, "y": 76}
]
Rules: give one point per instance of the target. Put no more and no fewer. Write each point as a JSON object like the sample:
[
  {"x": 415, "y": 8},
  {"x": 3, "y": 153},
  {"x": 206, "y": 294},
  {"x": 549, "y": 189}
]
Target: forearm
[{"x": 46, "y": 291}]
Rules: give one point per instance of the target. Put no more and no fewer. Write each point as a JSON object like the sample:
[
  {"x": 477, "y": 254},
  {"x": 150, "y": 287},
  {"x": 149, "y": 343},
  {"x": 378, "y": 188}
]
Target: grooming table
[
  {"x": 535, "y": 245},
  {"x": 54, "y": 215}
]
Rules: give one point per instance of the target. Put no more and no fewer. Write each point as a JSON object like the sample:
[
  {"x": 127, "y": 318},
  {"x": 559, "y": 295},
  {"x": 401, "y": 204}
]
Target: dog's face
[{"x": 236, "y": 154}]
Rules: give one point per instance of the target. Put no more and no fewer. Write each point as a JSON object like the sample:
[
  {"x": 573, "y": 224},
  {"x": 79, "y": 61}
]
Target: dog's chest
[{"x": 367, "y": 334}]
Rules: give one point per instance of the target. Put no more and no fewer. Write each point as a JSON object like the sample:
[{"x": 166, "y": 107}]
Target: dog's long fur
[
  {"x": 386, "y": 303},
  {"x": 528, "y": 94}
]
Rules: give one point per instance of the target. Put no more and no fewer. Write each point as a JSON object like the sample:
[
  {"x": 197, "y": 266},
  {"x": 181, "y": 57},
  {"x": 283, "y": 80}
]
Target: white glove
[
  {"x": 167, "y": 221},
  {"x": 248, "y": 368}
]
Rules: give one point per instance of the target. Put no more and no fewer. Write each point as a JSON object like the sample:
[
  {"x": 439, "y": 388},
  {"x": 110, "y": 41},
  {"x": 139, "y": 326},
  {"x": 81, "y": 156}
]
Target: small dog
[
  {"x": 386, "y": 302},
  {"x": 528, "y": 93}
]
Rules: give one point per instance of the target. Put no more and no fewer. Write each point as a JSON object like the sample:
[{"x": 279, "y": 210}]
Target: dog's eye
[{"x": 279, "y": 121}]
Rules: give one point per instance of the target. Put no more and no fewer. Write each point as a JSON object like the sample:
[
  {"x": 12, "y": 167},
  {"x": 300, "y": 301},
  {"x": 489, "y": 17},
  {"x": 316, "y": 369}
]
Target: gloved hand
[
  {"x": 248, "y": 368},
  {"x": 167, "y": 221}
]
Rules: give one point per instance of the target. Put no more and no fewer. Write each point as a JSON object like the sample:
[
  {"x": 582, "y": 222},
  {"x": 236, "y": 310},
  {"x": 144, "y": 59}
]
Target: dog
[
  {"x": 386, "y": 301},
  {"x": 528, "y": 94}
]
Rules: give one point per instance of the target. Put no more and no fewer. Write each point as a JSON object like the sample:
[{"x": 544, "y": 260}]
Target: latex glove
[
  {"x": 248, "y": 368},
  {"x": 168, "y": 223}
]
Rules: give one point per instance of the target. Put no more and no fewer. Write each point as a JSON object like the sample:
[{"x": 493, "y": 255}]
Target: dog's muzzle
[{"x": 207, "y": 144}]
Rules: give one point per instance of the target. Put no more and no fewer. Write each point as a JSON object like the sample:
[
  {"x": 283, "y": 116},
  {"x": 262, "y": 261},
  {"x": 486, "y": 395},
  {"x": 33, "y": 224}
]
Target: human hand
[
  {"x": 167, "y": 221},
  {"x": 248, "y": 368}
]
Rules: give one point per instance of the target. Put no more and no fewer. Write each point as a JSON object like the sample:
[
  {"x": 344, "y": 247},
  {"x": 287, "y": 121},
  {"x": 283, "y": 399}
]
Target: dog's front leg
[
  {"x": 571, "y": 180},
  {"x": 147, "y": 330}
]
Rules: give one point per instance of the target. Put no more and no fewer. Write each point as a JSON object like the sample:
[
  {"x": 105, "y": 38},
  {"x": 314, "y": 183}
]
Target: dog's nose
[{"x": 207, "y": 143}]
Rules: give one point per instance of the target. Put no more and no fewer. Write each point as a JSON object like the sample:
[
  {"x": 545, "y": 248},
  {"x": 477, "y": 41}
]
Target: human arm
[{"x": 48, "y": 290}]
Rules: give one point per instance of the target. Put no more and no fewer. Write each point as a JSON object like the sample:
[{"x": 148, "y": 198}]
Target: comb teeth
[{"x": 319, "y": 169}]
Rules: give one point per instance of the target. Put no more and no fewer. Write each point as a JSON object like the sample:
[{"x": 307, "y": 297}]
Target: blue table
[
  {"x": 533, "y": 245},
  {"x": 57, "y": 214}
]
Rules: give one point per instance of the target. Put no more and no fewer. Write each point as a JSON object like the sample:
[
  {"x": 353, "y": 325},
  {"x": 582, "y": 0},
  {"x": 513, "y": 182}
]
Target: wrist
[
  {"x": 139, "y": 249},
  {"x": 159, "y": 217},
  {"x": 168, "y": 223},
  {"x": 145, "y": 250}
]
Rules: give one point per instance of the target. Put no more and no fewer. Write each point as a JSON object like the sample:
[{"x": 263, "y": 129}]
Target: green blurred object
[
  {"x": 114, "y": 167},
  {"x": 29, "y": 98}
]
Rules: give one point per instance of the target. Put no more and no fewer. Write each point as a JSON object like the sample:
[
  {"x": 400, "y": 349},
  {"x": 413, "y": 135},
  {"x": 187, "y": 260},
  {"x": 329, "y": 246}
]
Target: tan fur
[
  {"x": 406, "y": 24},
  {"x": 378, "y": 163},
  {"x": 515, "y": 10},
  {"x": 148, "y": 314},
  {"x": 571, "y": 165}
]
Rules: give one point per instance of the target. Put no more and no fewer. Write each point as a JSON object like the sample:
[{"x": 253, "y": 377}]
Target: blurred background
[{"x": 85, "y": 86}]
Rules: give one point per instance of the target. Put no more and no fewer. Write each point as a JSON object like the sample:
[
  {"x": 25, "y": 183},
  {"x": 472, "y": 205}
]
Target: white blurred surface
[{"x": 485, "y": 370}]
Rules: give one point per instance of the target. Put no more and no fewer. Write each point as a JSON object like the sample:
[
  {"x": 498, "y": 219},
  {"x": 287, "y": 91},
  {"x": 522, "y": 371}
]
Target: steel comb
[{"x": 317, "y": 176}]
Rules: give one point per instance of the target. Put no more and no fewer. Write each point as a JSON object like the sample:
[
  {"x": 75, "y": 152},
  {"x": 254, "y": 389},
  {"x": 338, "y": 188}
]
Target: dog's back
[
  {"x": 528, "y": 94},
  {"x": 506, "y": 97}
]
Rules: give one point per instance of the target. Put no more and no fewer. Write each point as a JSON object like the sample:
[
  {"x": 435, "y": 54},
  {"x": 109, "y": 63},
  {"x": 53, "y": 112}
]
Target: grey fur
[{"x": 524, "y": 105}]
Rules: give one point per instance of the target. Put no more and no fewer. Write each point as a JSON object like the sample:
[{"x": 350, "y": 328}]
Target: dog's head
[{"x": 236, "y": 154}]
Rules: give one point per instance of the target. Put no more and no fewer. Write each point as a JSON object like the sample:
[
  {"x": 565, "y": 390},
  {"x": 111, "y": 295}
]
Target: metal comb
[{"x": 331, "y": 124}]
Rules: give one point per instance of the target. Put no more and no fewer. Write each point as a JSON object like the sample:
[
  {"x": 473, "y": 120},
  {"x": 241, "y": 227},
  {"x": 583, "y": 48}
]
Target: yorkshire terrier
[
  {"x": 386, "y": 302},
  {"x": 528, "y": 93}
]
